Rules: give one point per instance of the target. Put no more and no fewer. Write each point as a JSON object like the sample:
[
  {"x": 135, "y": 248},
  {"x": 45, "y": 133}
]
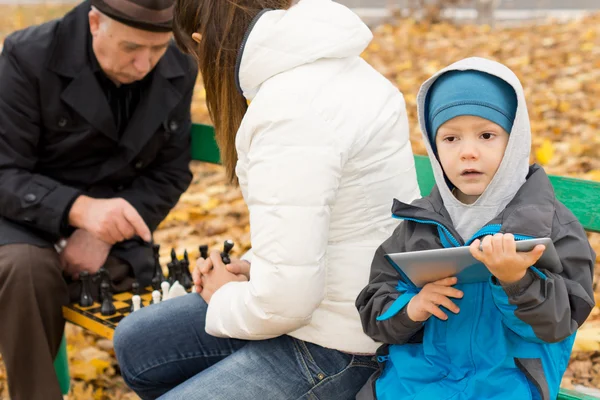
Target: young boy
[{"x": 509, "y": 337}]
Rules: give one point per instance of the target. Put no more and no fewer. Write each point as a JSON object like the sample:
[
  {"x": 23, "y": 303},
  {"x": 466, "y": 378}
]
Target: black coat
[{"x": 58, "y": 137}]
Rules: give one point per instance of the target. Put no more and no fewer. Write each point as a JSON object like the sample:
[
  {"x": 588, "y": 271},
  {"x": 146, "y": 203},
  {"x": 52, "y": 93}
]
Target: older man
[{"x": 94, "y": 149}]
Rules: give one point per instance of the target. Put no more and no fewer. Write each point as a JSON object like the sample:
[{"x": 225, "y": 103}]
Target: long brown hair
[{"x": 222, "y": 25}]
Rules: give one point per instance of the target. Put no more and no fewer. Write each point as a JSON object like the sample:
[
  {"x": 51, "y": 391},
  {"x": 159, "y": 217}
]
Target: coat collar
[
  {"x": 69, "y": 57},
  {"x": 529, "y": 213}
]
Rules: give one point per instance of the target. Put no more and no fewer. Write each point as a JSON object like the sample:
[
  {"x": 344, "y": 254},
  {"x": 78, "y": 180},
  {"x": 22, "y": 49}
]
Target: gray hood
[{"x": 468, "y": 218}]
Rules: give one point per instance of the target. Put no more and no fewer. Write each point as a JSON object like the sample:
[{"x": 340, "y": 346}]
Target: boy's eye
[
  {"x": 449, "y": 138},
  {"x": 487, "y": 135}
]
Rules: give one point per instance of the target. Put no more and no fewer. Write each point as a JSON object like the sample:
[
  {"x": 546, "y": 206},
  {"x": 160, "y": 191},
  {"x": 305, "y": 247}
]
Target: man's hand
[
  {"x": 500, "y": 256},
  {"x": 83, "y": 252},
  {"x": 426, "y": 303},
  {"x": 110, "y": 220},
  {"x": 210, "y": 274}
]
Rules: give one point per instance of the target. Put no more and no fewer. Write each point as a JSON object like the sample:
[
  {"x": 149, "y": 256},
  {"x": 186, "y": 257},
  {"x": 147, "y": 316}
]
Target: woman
[{"x": 318, "y": 141}]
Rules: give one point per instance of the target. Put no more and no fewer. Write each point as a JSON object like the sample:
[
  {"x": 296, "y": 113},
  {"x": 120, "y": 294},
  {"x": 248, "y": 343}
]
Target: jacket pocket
[{"x": 534, "y": 372}]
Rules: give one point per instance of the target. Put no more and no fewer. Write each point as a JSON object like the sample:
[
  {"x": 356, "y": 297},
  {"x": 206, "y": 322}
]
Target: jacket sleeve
[
  {"x": 549, "y": 305},
  {"x": 294, "y": 166},
  {"x": 156, "y": 191},
  {"x": 26, "y": 197},
  {"x": 381, "y": 292}
]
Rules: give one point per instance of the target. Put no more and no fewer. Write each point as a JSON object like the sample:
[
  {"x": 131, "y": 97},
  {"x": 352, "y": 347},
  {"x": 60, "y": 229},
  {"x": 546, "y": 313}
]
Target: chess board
[{"x": 92, "y": 319}]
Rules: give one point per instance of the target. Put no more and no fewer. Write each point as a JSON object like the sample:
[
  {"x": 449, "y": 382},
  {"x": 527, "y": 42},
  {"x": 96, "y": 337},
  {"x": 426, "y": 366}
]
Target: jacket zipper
[
  {"x": 485, "y": 230},
  {"x": 491, "y": 230},
  {"x": 238, "y": 61}
]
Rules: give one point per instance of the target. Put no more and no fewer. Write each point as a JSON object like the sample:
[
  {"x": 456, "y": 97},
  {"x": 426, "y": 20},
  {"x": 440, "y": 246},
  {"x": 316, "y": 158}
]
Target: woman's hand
[
  {"x": 433, "y": 295},
  {"x": 210, "y": 274},
  {"x": 499, "y": 254}
]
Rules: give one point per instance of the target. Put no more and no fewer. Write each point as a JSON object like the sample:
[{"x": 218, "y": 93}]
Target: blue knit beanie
[{"x": 470, "y": 92}]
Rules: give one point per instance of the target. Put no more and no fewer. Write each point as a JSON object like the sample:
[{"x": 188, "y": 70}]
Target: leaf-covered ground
[{"x": 559, "y": 66}]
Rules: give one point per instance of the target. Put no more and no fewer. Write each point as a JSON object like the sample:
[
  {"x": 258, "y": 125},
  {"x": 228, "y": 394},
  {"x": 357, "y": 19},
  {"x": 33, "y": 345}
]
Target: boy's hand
[
  {"x": 433, "y": 295},
  {"x": 500, "y": 256}
]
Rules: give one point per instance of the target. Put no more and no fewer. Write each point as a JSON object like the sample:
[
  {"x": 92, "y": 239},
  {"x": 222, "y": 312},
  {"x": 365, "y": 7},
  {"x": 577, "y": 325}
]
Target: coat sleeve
[
  {"x": 26, "y": 197},
  {"x": 294, "y": 167},
  {"x": 381, "y": 292},
  {"x": 156, "y": 191},
  {"x": 547, "y": 306}
]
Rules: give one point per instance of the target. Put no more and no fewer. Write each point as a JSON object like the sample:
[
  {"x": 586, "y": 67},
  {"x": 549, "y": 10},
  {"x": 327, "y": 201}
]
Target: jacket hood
[
  {"x": 513, "y": 170},
  {"x": 280, "y": 40}
]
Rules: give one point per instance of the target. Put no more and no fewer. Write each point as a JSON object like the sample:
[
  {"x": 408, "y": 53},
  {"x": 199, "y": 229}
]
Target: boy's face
[{"x": 470, "y": 150}]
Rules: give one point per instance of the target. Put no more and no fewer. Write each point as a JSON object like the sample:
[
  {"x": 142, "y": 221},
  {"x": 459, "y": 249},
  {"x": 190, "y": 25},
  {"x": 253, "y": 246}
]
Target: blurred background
[{"x": 552, "y": 45}]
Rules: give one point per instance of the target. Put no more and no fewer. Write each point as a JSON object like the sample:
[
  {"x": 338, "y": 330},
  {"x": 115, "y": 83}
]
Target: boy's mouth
[{"x": 470, "y": 172}]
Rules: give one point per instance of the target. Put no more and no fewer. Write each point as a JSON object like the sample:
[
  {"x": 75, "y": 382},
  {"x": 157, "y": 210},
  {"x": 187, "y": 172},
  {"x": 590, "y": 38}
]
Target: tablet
[{"x": 423, "y": 267}]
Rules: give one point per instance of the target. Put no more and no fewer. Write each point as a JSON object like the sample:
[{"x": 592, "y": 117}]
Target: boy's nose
[{"x": 469, "y": 151}]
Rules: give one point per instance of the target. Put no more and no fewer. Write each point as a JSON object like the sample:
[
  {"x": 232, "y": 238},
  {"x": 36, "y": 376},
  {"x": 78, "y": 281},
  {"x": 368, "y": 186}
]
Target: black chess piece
[
  {"x": 103, "y": 277},
  {"x": 85, "y": 298},
  {"x": 186, "y": 258},
  {"x": 185, "y": 275},
  {"x": 108, "y": 307},
  {"x": 227, "y": 246},
  {"x": 158, "y": 277},
  {"x": 172, "y": 266},
  {"x": 203, "y": 251}
]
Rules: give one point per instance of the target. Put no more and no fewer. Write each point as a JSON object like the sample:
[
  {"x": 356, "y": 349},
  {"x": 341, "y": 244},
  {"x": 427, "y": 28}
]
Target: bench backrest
[{"x": 580, "y": 196}]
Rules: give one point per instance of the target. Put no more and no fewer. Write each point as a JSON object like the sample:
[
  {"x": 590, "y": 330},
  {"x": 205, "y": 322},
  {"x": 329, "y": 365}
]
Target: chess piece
[
  {"x": 107, "y": 308},
  {"x": 227, "y": 246},
  {"x": 135, "y": 289},
  {"x": 172, "y": 266},
  {"x": 155, "y": 297},
  {"x": 85, "y": 298},
  {"x": 104, "y": 277},
  {"x": 158, "y": 272},
  {"x": 176, "y": 290},
  {"x": 136, "y": 303},
  {"x": 165, "y": 290},
  {"x": 185, "y": 274},
  {"x": 203, "y": 251}
]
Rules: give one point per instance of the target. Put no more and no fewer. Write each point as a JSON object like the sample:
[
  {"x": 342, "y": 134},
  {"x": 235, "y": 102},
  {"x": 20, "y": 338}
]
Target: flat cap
[{"x": 148, "y": 15}]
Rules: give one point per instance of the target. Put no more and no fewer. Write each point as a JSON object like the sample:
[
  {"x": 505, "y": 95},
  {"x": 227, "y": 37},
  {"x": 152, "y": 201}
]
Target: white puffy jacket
[{"x": 322, "y": 151}]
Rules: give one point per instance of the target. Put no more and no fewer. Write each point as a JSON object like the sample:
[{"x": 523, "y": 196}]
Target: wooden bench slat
[{"x": 580, "y": 196}]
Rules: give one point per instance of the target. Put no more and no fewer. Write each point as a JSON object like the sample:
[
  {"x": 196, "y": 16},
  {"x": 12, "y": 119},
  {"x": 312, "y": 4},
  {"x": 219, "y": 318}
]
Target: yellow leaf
[
  {"x": 587, "y": 339},
  {"x": 99, "y": 394},
  {"x": 177, "y": 215},
  {"x": 564, "y": 106},
  {"x": 196, "y": 212},
  {"x": 545, "y": 153},
  {"x": 211, "y": 204},
  {"x": 81, "y": 391},
  {"x": 83, "y": 371},
  {"x": 594, "y": 175},
  {"x": 587, "y": 46},
  {"x": 100, "y": 365},
  {"x": 374, "y": 47}
]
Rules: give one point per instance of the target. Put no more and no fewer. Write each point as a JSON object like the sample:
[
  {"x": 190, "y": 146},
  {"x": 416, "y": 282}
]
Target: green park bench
[{"x": 580, "y": 196}]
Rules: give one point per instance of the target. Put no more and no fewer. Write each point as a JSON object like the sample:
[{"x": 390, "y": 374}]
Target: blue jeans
[{"x": 164, "y": 351}]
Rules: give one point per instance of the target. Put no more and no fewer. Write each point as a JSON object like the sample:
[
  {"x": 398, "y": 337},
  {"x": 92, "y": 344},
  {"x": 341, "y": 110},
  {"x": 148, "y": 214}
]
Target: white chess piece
[
  {"x": 155, "y": 297},
  {"x": 165, "y": 290},
  {"x": 177, "y": 290},
  {"x": 137, "y": 301}
]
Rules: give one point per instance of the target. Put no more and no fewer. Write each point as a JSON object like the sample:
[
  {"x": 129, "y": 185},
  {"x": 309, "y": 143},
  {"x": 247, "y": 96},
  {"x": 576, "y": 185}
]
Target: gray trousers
[{"x": 32, "y": 293}]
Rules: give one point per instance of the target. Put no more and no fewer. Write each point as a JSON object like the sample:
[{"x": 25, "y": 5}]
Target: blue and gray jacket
[{"x": 507, "y": 342}]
